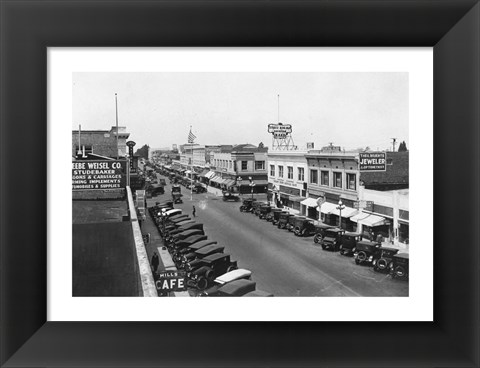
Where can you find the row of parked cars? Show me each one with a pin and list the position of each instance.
(209, 270)
(366, 252)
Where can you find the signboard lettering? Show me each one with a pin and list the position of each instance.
(372, 161)
(171, 281)
(100, 175)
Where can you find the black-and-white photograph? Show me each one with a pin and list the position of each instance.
(266, 184)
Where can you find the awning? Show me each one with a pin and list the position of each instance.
(327, 207)
(217, 179)
(229, 182)
(204, 173)
(368, 219)
(256, 182)
(210, 174)
(346, 212)
(309, 202)
(297, 199)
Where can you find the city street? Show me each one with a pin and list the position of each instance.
(282, 263)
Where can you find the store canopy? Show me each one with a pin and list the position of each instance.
(210, 174)
(346, 212)
(309, 202)
(327, 207)
(204, 173)
(297, 199)
(229, 183)
(216, 179)
(368, 219)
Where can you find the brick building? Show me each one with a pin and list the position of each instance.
(100, 142)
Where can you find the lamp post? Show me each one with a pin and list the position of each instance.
(340, 207)
(252, 184)
(239, 183)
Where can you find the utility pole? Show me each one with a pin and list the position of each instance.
(116, 120)
(394, 140)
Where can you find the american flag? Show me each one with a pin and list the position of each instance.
(191, 136)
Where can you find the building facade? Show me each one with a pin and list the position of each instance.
(100, 142)
(287, 179)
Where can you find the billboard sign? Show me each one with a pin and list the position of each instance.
(280, 131)
(171, 281)
(99, 175)
(372, 161)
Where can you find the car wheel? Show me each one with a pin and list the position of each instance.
(202, 283)
(209, 275)
(400, 271)
(382, 264)
(361, 256)
(297, 231)
(342, 252)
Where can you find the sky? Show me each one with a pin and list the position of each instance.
(350, 110)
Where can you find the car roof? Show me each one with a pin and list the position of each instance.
(203, 243)
(209, 248)
(175, 210)
(233, 286)
(402, 255)
(193, 238)
(214, 257)
(233, 275)
(190, 225)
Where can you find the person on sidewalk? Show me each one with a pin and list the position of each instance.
(194, 211)
(155, 262)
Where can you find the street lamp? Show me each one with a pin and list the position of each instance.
(239, 183)
(252, 184)
(340, 207)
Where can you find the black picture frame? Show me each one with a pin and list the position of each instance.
(452, 28)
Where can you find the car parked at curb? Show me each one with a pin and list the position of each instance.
(303, 226)
(320, 229)
(210, 268)
(270, 216)
(247, 205)
(191, 263)
(383, 258)
(236, 288)
(399, 268)
(332, 239)
(239, 273)
(283, 220)
(349, 242)
(365, 251)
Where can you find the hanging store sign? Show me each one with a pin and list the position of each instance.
(171, 281)
(130, 145)
(367, 205)
(99, 175)
(372, 161)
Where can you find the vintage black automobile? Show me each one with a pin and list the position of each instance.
(270, 215)
(332, 239)
(276, 216)
(349, 242)
(283, 220)
(177, 198)
(303, 226)
(210, 267)
(383, 258)
(399, 266)
(176, 248)
(155, 189)
(291, 222)
(224, 279)
(320, 229)
(184, 235)
(198, 188)
(191, 261)
(247, 205)
(236, 288)
(192, 226)
(365, 251)
(188, 253)
(263, 211)
(256, 205)
(230, 196)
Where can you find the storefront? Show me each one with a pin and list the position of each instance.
(310, 208)
(368, 224)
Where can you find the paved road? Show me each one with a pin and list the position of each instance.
(282, 263)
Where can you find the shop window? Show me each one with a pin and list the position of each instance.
(244, 165)
(313, 176)
(280, 171)
(272, 170)
(301, 174)
(325, 178)
(337, 179)
(352, 181)
(289, 172)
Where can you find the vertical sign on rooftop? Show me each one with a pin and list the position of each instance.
(372, 161)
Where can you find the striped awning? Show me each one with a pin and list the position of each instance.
(346, 212)
(327, 207)
(309, 202)
(297, 199)
(368, 219)
(210, 174)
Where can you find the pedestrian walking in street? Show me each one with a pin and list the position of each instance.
(194, 211)
(155, 262)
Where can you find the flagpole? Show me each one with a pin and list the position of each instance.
(116, 119)
(191, 170)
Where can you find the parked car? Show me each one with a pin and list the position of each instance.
(303, 226)
(182, 253)
(332, 239)
(349, 242)
(270, 215)
(236, 288)
(184, 235)
(230, 196)
(177, 198)
(184, 243)
(155, 189)
(256, 207)
(283, 220)
(192, 226)
(172, 212)
(247, 205)
(263, 211)
(365, 251)
(290, 226)
(383, 258)
(399, 266)
(320, 231)
(211, 267)
(258, 293)
(276, 216)
(198, 188)
(193, 261)
(221, 280)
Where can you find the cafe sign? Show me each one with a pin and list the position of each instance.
(171, 281)
(99, 175)
(372, 161)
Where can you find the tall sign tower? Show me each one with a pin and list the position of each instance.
(281, 134)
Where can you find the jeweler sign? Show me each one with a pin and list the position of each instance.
(171, 281)
(98, 175)
(372, 161)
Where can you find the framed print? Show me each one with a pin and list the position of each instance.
(31, 31)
